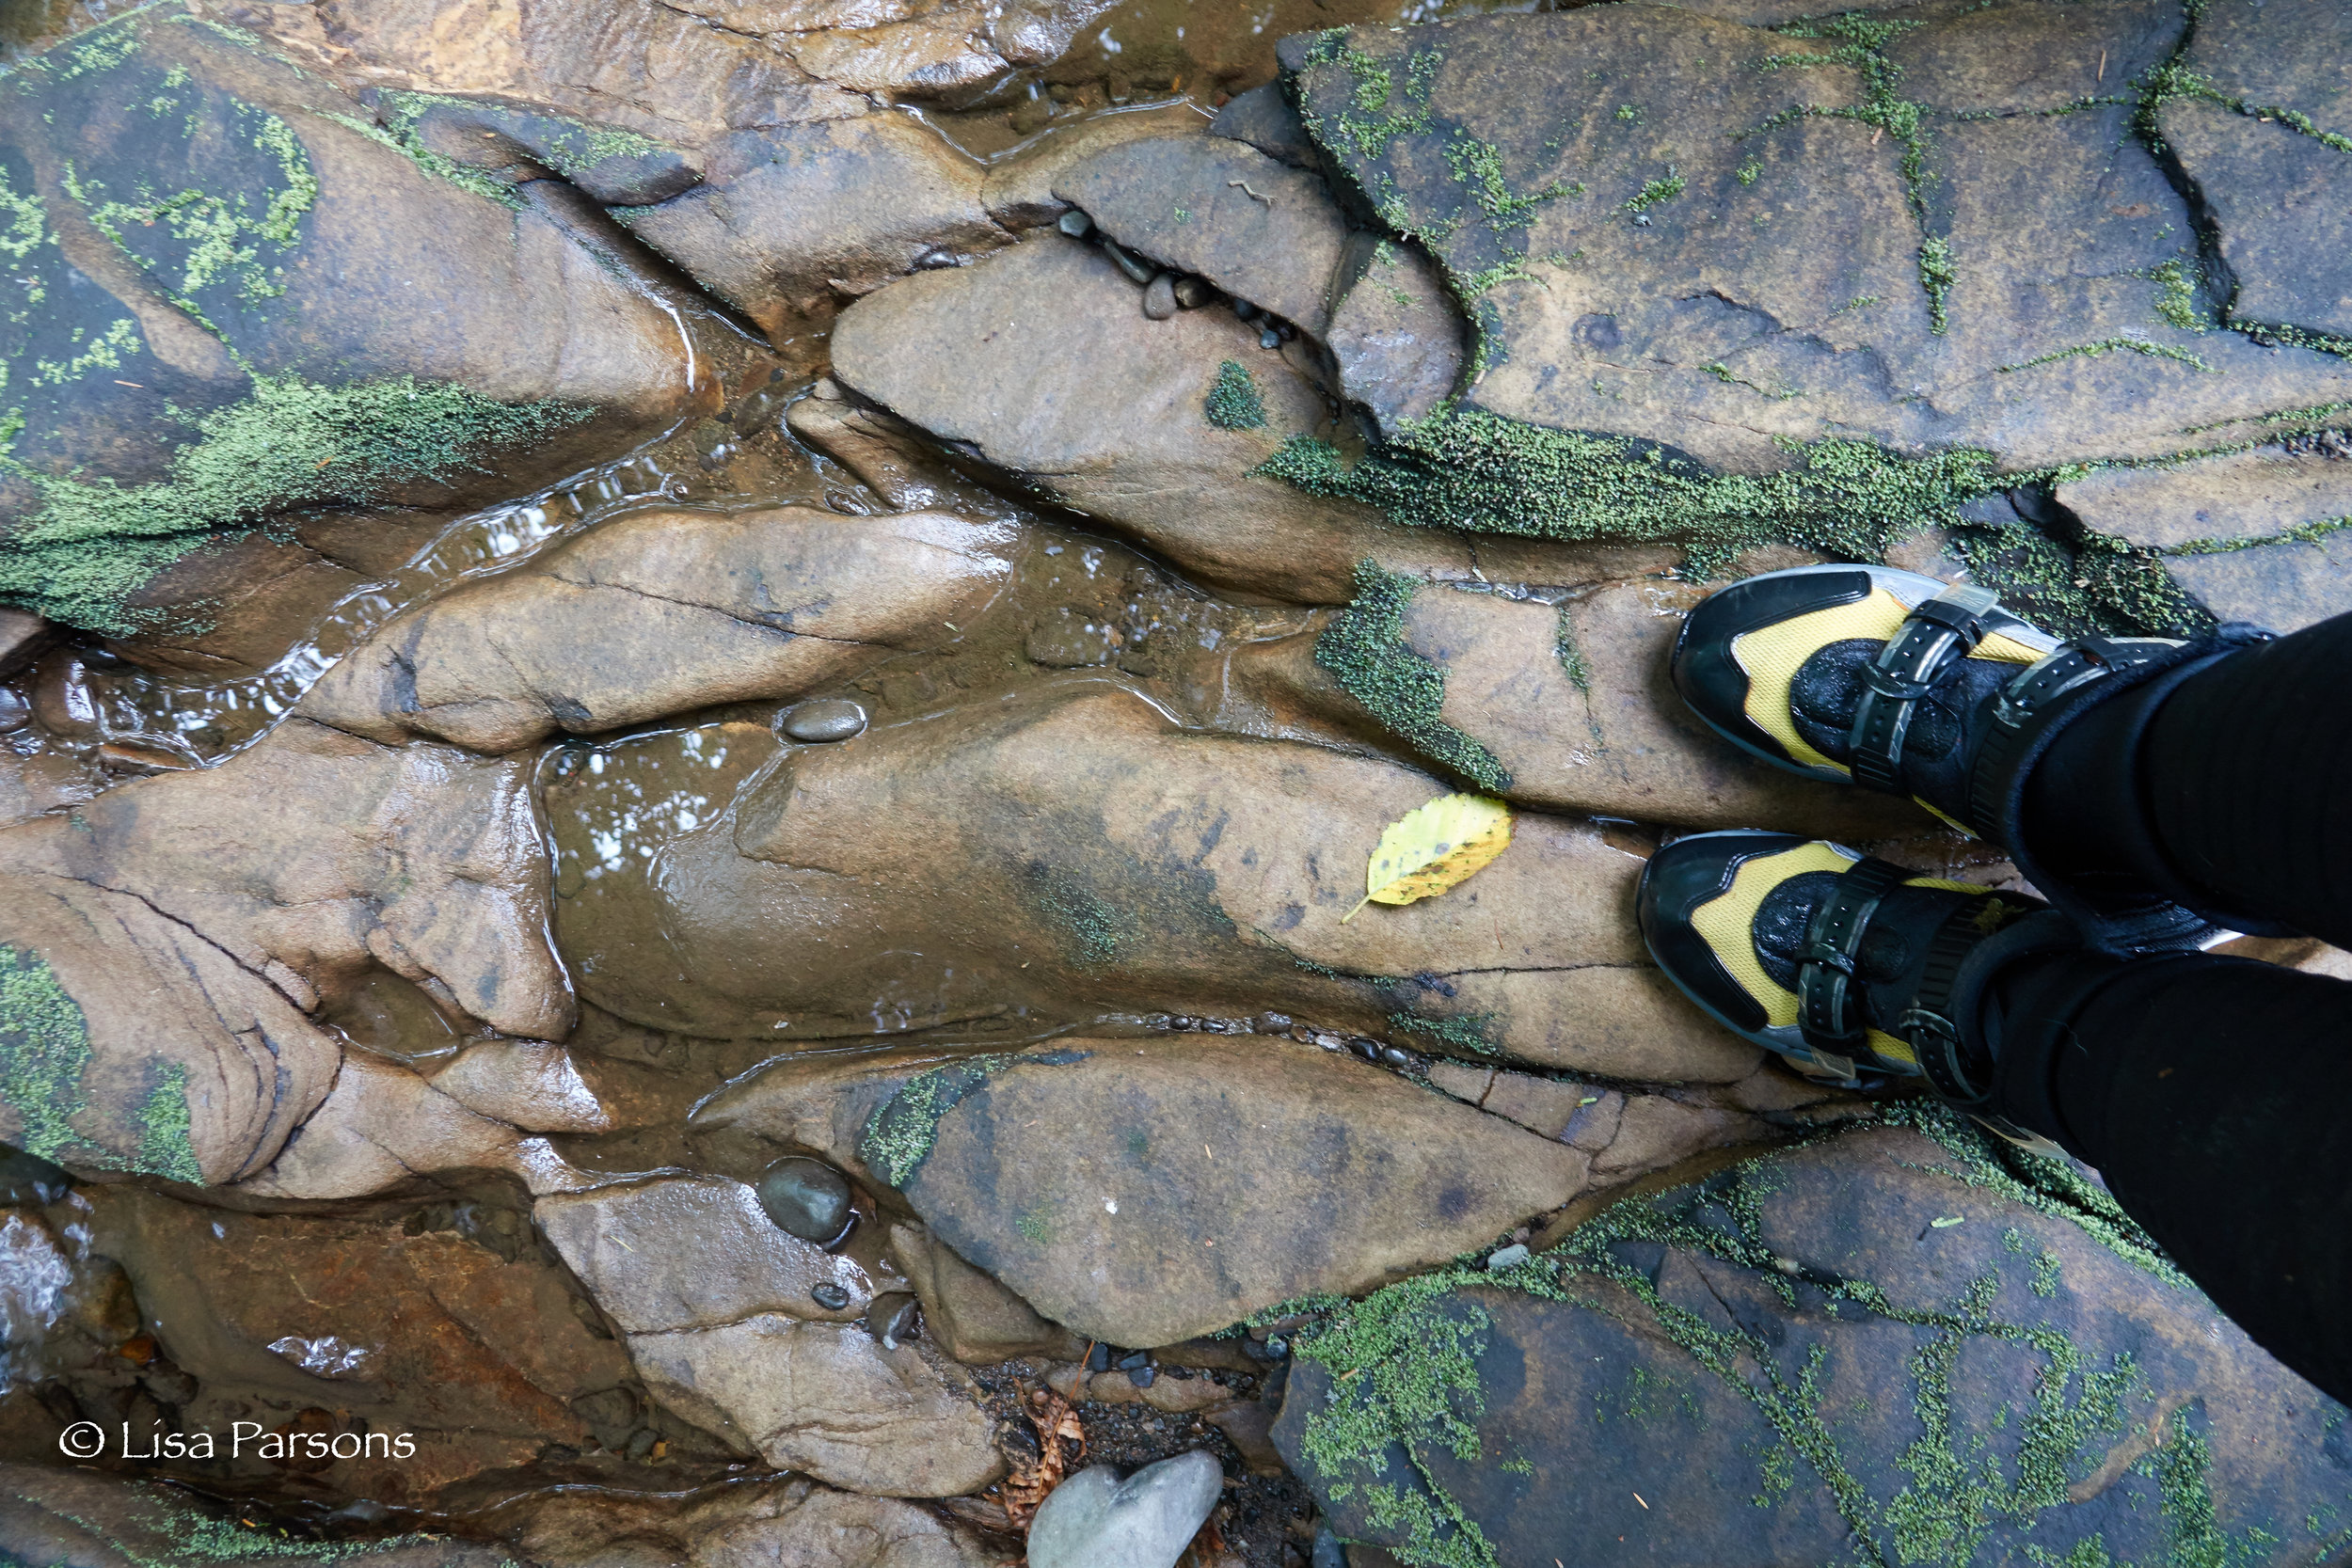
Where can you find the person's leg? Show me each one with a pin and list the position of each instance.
(2210, 1094)
(2227, 790)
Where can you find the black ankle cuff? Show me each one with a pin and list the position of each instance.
(2142, 904)
(2037, 1002)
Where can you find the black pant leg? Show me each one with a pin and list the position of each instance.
(2212, 1095)
(2230, 789)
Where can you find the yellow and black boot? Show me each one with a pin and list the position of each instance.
(1852, 968)
(1898, 683)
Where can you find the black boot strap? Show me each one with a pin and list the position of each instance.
(1946, 628)
(1930, 1023)
(1829, 1011)
(2029, 696)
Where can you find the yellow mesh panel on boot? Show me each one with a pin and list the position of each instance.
(1727, 922)
(1769, 656)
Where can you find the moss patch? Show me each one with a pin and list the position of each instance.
(1364, 649)
(44, 1047)
(1406, 1382)
(898, 1136)
(290, 442)
(1234, 403)
(1467, 1035)
(45, 1051)
(1467, 469)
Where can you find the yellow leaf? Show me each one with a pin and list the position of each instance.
(1432, 848)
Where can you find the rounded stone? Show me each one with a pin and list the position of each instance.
(807, 1198)
(1159, 298)
(832, 1297)
(1095, 1520)
(1193, 293)
(1076, 224)
(826, 718)
(891, 1318)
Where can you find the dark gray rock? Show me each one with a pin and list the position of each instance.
(1689, 231)
(1400, 344)
(828, 719)
(806, 1198)
(1886, 1345)
(1096, 1520)
(1263, 118)
(616, 168)
(1089, 1186)
(229, 266)
(2238, 496)
(1257, 229)
(2274, 54)
(2276, 197)
(2285, 586)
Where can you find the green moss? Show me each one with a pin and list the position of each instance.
(165, 1149)
(1234, 403)
(2301, 533)
(1098, 932)
(1375, 116)
(44, 1047)
(1472, 470)
(290, 442)
(197, 1537)
(1655, 192)
(1571, 659)
(2113, 345)
(1364, 649)
(898, 1136)
(2176, 297)
(2181, 1467)
(1749, 172)
(1861, 46)
(1469, 1033)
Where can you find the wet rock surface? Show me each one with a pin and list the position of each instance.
(1764, 1365)
(766, 991)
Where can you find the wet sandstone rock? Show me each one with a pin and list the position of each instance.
(233, 270)
(1132, 867)
(721, 1316)
(1021, 359)
(1019, 190)
(756, 604)
(1258, 229)
(784, 226)
(1710, 240)
(1916, 1341)
(1136, 1193)
(749, 1524)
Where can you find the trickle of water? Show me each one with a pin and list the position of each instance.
(212, 720)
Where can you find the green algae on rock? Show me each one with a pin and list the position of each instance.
(897, 1136)
(290, 442)
(1234, 403)
(1365, 649)
(2057, 1389)
(45, 1051)
(201, 243)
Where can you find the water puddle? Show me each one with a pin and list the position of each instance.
(212, 720)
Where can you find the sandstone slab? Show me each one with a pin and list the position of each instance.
(662, 611)
(784, 227)
(1040, 361)
(1887, 1336)
(752, 1524)
(1256, 228)
(1019, 189)
(2241, 496)
(692, 1252)
(1136, 1193)
(1400, 344)
(2285, 587)
(2276, 197)
(825, 1398)
(1709, 238)
(1132, 867)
